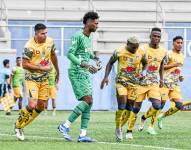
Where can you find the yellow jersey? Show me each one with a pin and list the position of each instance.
(153, 57)
(38, 54)
(171, 76)
(128, 65)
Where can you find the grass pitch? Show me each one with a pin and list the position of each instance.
(42, 134)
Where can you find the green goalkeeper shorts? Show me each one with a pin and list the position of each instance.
(81, 83)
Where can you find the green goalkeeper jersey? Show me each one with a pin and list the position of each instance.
(17, 78)
(80, 51)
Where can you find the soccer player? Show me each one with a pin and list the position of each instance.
(172, 76)
(17, 81)
(38, 54)
(79, 74)
(5, 85)
(130, 59)
(149, 86)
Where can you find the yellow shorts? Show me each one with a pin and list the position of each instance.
(171, 94)
(52, 92)
(129, 91)
(18, 92)
(37, 90)
(144, 92)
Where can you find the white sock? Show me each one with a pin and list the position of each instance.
(83, 132)
(67, 124)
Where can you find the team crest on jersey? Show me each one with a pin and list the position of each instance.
(155, 59)
(149, 57)
(124, 58)
(137, 57)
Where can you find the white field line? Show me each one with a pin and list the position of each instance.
(108, 143)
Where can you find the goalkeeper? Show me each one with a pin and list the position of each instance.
(79, 74)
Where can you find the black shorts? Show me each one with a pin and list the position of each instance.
(2, 90)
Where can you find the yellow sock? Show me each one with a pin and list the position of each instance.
(171, 111)
(54, 109)
(125, 117)
(32, 116)
(154, 118)
(150, 112)
(23, 117)
(118, 118)
(132, 120)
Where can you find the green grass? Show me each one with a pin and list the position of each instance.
(42, 134)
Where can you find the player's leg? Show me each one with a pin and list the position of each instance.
(120, 112)
(164, 97)
(129, 104)
(133, 118)
(154, 97)
(153, 111)
(175, 96)
(129, 108)
(85, 117)
(81, 87)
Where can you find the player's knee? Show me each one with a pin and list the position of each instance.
(179, 105)
(41, 105)
(156, 105)
(32, 105)
(129, 107)
(88, 100)
(121, 106)
(136, 109)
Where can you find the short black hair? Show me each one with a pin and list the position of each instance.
(5, 62)
(39, 26)
(177, 37)
(90, 15)
(18, 58)
(156, 29)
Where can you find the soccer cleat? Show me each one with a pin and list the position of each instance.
(151, 131)
(119, 134)
(86, 139)
(129, 136)
(65, 132)
(159, 119)
(19, 134)
(141, 126)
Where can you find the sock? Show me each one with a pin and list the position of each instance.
(32, 116)
(23, 116)
(20, 103)
(171, 111)
(132, 120)
(150, 112)
(126, 115)
(83, 132)
(85, 118)
(81, 107)
(118, 118)
(154, 118)
(67, 124)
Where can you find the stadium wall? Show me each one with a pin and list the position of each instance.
(103, 99)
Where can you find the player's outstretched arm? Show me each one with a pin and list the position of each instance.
(109, 66)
